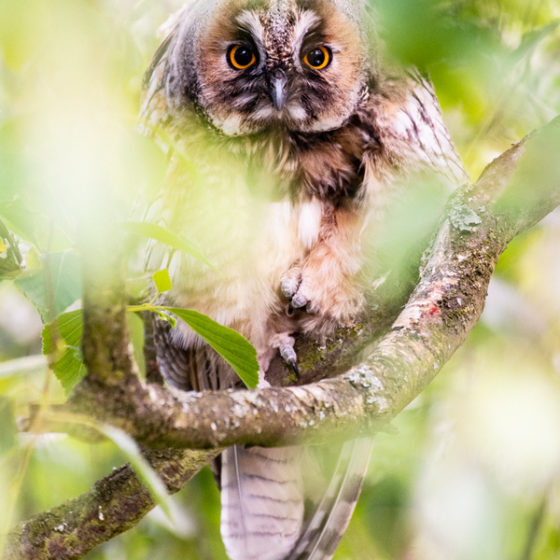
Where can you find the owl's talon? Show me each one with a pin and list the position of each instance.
(289, 355)
(288, 287)
(295, 368)
(299, 300)
(290, 283)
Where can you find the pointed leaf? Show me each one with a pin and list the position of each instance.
(162, 280)
(58, 282)
(234, 348)
(148, 476)
(159, 233)
(69, 367)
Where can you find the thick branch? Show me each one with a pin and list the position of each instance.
(512, 195)
(114, 505)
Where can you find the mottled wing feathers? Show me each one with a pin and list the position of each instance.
(437, 146)
(154, 111)
(411, 127)
(189, 369)
(160, 76)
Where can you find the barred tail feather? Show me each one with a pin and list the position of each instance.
(330, 520)
(262, 502)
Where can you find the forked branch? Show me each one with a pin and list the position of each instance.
(515, 191)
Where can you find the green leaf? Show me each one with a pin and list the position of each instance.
(69, 367)
(69, 326)
(10, 257)
(136, 330)
(162, 280)
(57, 284)
(234, 348)
(159, 233)
(8, 433)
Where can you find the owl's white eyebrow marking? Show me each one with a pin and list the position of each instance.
(252, 23)
(306, 20)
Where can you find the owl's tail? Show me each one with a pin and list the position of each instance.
(262, 502)
(331, 517)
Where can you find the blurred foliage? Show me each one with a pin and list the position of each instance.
(473, 472)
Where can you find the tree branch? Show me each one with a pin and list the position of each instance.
(512, 194)
(515, 191)
(114, 505)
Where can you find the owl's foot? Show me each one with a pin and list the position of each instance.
(289, 355)
(319, 288)
(289, 287)
(285, 345)
(302, 290)
(298, 290)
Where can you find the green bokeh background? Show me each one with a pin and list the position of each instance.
(473, 471)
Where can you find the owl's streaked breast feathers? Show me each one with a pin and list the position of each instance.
(295, 95)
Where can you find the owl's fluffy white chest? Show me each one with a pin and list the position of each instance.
(251, 245)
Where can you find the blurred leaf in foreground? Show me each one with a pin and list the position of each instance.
(57, 285)
(10, 256)
(68, 365)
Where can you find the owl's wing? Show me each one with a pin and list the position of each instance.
(407, 116)
(431, 133)
(154, 111)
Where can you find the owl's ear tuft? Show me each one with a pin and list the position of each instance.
(169, 82)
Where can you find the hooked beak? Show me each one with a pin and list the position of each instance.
(278, 92)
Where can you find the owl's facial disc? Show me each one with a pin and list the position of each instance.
(280, 66)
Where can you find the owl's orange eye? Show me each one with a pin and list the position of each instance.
(241, 57)
(318, 58)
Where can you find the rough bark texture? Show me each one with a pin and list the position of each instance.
(514, 192)
(114, 505)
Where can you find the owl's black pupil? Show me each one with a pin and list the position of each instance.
(316, 57)
(243, 56)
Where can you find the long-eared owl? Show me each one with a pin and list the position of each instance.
(287, 134)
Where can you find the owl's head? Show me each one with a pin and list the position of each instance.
(254, 65)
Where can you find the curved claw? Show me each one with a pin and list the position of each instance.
(289, 355)
(295, 369)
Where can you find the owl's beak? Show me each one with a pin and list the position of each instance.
(278, 92)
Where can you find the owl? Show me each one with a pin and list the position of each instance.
(288, 135)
